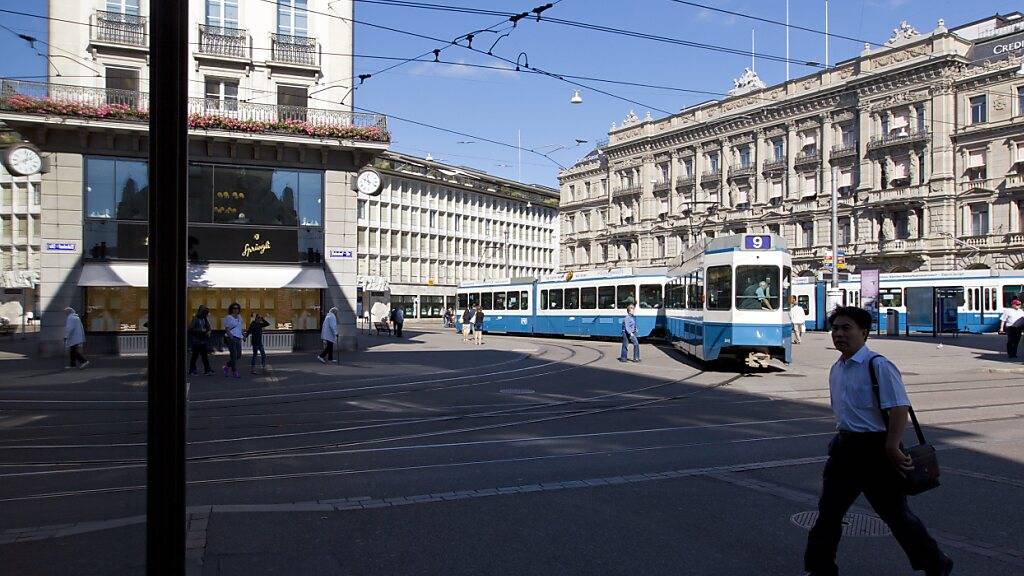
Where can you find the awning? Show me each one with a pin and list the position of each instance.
(135, 274)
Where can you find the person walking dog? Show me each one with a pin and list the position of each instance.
(74, 339)
(629, 335)
(233, 339)
(329, 335)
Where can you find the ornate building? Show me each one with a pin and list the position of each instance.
(922, 140)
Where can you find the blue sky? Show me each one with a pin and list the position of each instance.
(498, 104)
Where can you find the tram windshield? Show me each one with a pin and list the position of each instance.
(757, 288)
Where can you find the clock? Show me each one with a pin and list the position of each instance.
(23, 160)
(369, 182)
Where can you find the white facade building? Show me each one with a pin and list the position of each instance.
(20, 203)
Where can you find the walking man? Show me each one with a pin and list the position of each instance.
(478, 325)
(1012, 322)
(329, 335)
(467, 323)
(74, 339)
(255, 335)
(865, 456)
(798, 318)
(629, 335)
(399, 317)
(199, 340)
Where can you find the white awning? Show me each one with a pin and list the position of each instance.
(135, 274)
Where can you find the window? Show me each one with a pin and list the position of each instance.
(844, 181)
(806, 234)
(1012, 292)
(719, 288)
(361, 210)
(844, 232)
(222, 13)
(660, 247)
(588, 298)
(976, 164)
(979, 219)
(885, 124)
(292, 17)
(694, 292)
(650, 296)
(221, 94)
(625, 295)
(778, 150)
(810, 184)
(292, 102)
(543, 299)
(122, 86)
(555, 300)
(675, 297)
(1020, 100)
(116, 189)
(745, 157)
(979, 109)
(890, 297)
(524, 300)
(920, 117)
(474, 298)
(757, 287)
(606, 297)
(787, 287)
(775, 191)
(499, 301)
(123, 6)
(463, 301)
(846, 135)
(572, 298)
(713, 162)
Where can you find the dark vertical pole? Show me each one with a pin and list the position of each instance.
(168, 155)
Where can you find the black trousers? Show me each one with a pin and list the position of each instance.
(75, 356)
(200, 351)
(328, 353)
(1012, 340)
(398, 329)
(857, 464)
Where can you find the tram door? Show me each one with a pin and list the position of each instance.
(920, 308)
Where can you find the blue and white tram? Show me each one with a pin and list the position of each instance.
(507, 304)
(593, 302)
(732, 301)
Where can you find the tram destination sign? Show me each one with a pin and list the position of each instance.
(757, 242)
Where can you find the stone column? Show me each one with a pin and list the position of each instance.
(760, 190)
(943, 110)
(827, 137)
(340, 233)
(724, 188)
(866, 177)
(673, 158)
(792, 188)
(698, 169)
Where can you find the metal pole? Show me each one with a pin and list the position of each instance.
(787, 40)
(826, 34)
(168, 157)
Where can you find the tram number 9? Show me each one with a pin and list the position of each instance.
(759, 242)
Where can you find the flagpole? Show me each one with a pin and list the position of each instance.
(826, 33)
(787, 40)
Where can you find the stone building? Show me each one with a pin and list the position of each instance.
(922, 140)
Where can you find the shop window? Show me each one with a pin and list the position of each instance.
(116, 189)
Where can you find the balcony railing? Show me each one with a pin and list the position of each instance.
(296, 50)
(662, 185)
(626, 190)
(897, 139)
(684, 180)
(774, 165)
(807, 157)
(739, 171)
(843, 150)
(224, 41)
(711, 176)
(204, 113)
(1015, 181)
(119, 28)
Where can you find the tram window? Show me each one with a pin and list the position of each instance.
(1011, 292)
(805, 303)
(474, 298)
(555, 300)
(606, 297)
(787, 287)
(463, 301)
(675, 297)
(891, 297)
(524, 300)
(512, 301)
(499, 300)
(650, 296)
(625, 295)
(757, 287)
(486, 301)
(588, 298)
(572, 298)
(719, 288)
(694, 297)
(543, 299)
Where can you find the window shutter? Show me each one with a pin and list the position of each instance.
(977, 159)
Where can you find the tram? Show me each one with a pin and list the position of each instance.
(507, 304)
(730, 299)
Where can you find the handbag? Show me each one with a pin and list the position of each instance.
(925, 475)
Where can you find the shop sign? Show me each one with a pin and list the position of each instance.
(218, 243)
(998, 49)
(336, 254)
(61, 247)
(257, 246)
(827, 261)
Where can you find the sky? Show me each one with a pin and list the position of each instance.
(509, 107)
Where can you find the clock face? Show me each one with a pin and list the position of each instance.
(368, 182)
(24, 161)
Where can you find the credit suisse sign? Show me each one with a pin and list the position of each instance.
(998, 48)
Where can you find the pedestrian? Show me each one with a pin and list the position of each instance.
(74, 339)
(478, 325)
(399, 315)
(199, 340)
(329, 335)
(447, 317)
(233, 339)
(467, 323)
(1012, 323)
(865, 456)
(255, 335)
(629, 335)
(798, 317)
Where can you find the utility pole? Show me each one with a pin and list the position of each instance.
(826, 34)
(787, 40)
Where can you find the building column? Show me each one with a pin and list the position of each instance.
(866, 175)
(673, 158)
(724, 161)
(698, 170)
(61, 220)
(792, 190)
(827, 137)
(340, 232)
(759, 191)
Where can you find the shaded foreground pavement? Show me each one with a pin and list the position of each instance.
(524, 456)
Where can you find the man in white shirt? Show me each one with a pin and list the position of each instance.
(1012, 322)
(798, 317)
(865, 456)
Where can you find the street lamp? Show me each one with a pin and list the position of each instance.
(576, 98)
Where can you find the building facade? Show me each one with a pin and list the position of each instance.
(20, 203)
(271, 198)
(434, 226)
(922, 141)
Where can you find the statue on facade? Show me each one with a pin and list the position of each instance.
(913, 224)
(902, 33)
(747, 82)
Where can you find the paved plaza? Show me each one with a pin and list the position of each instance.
(426, 455)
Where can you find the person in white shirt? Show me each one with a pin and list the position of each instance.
(1012, 323)
(798, 317)
(865, 456)
(329, 335)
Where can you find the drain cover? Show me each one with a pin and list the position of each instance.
(516, 391)
(853, 524)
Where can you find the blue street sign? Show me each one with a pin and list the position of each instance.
(757, 242)
(61, 246)
(342, 254)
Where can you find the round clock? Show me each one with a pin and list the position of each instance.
(369, 182)
(23, 160)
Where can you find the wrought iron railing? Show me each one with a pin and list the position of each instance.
(119, 28)
(710, 175)
(625, 190)
(684, 180)
(737, 171)
(841, 150)
(224, 41)
(897, 139)
(204, 113)
(807, 157)
(662, 185)
(290, 49)
(774, 165)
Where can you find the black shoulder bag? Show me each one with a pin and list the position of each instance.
(925, 474)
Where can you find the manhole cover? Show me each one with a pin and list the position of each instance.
(516, 391)
(853, 524)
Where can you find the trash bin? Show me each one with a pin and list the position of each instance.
(892, 322)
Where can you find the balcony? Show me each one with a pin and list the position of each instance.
(118, 29)
(899, 246)
(742, 171)
(1015, 180)
(900, 195)
(223, 42)
(662, 185)
(805, 157)
(843, 150)
(626, 191)
(684, 181)
(710, 176)
(128, 106)
(898, 139)
(294, 51)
